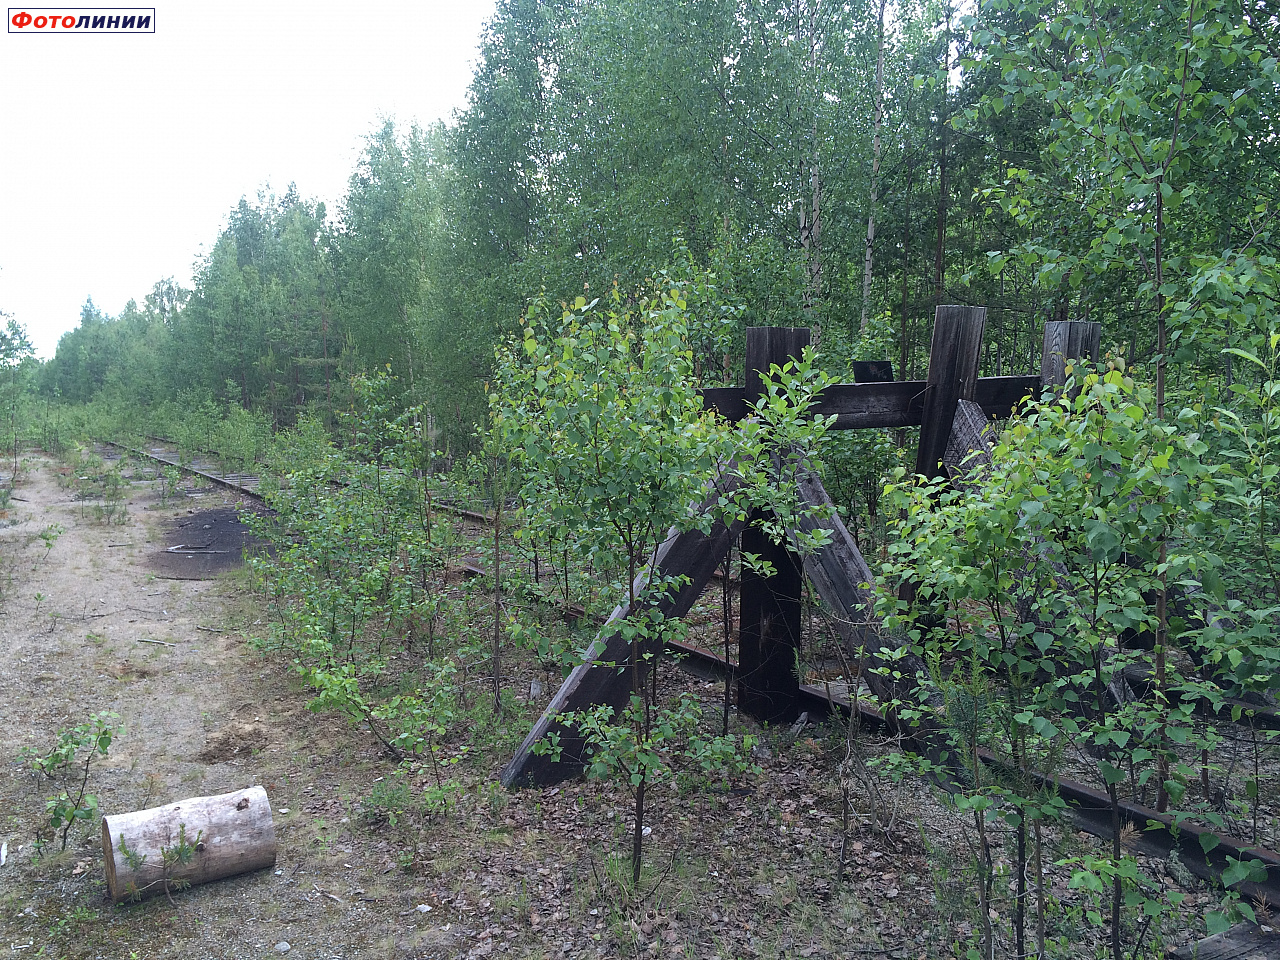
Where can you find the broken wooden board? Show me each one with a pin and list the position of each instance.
(602, 678)
(841, 577)
(1244, 941)
(970, 446)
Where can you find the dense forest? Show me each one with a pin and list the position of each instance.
(514, 312)
(843, 166)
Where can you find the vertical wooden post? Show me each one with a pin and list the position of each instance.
(1067, 340)
(953, 376)
(769, 631)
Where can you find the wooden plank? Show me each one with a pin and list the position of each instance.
(771, 611)
(872, 371)
(729, 402)
(770, 345)
(953, 375)
(999, 396)
(841, 577)
(598, 680)
(1244, 941)
(858, 406)
(1066, 340)
(769, 631)
(970, 445)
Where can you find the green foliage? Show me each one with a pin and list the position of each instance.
(69, 761)
(103, 486)
(357, 581)
(1248, 485)
(180, 852)
(1156, 172)
(389, 801)
(600, 407)
(674, 745)
(603, 411)
(1043, 572)
(17, 367)
(49, 536)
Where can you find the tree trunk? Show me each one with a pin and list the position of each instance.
(940, 248)
(877, 123)
(811, 220)
(217, 837)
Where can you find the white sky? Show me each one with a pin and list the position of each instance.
(121, 156)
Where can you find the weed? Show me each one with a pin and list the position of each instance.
(49, 536)
(179, 854)
(173, 856)
(70, 759)
(388, 802)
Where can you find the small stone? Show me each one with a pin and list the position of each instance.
(282, 946)
(282, 810)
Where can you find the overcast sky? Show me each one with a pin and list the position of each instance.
(120, 156)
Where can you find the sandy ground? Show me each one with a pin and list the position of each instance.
(201, 714)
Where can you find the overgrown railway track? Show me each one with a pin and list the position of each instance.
(1204, 852)
(244, 483)
(205, 465)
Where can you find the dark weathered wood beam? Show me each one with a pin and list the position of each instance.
(771, 611)
(953, 376)
(1067, 340)
(841, 578)
(900, 403)
(692, 556)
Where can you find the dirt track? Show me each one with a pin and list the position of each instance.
(202, 714)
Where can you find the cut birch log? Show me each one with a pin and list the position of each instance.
(217, 837)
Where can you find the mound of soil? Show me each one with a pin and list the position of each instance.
(127, 670)
(202, 545)
(237, 738)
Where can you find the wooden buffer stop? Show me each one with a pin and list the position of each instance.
(951, 407)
